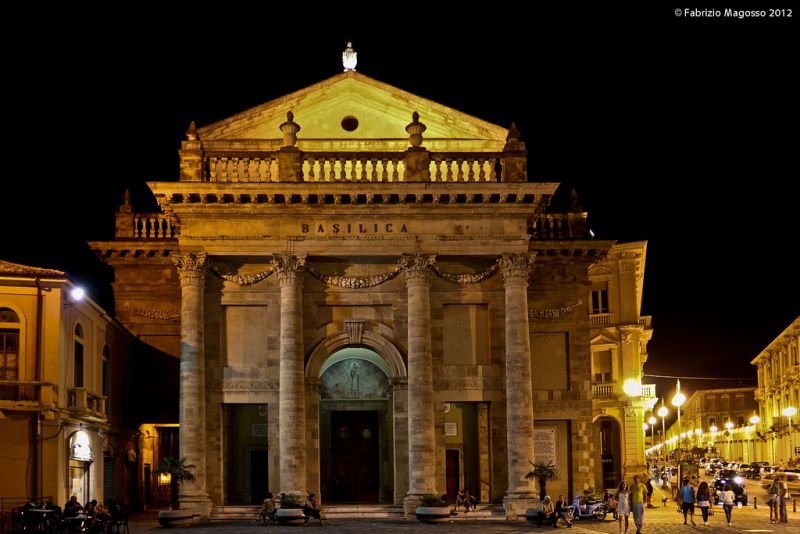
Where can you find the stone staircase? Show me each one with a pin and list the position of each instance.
(483, 512)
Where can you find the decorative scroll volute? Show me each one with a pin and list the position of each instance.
(416, 268)
(516, 267)
(289, 268)
(191, 267)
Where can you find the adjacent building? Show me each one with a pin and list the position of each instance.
(717, 421)
(778, 396)
(619, 337)
(371, 302)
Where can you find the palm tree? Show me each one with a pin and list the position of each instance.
(542, 472)
(178, 470)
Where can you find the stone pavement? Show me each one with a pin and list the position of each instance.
(662, 520)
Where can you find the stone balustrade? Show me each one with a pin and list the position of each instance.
(154, 226)
(353, 167)
(83, 402)
(27, 395)
(600, 319)
(558, 226)
(603, 390)
(648, 390)
(646, 321)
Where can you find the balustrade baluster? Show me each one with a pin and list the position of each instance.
(396, 171)
(482, 170)
(492, 173)
(212, 169)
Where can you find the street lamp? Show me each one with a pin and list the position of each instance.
(789, 412)
(678, 401)
(652, 420)
(662, 413)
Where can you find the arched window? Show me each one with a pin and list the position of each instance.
(78, 357)
(9, 344)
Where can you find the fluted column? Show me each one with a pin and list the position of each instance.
(192, 409)
(291, 403)
(519, 401)
(421, 439)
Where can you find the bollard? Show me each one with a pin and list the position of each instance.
(755, 503)
(794, 505)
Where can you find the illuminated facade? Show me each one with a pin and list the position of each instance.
(619, 337)
(722, 416)
(63, 402)
(370, 303)
(778, 394)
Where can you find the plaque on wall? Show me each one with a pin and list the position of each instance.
(544, 445)
(258, 430)
(451, 429)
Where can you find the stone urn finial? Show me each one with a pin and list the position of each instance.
(191, 132)
(289, 129)
(125, 207)
(349, 58)
(513, 142)
(415, 129)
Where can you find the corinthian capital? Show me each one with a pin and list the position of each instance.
(289, 268)
(515, 267)
(416, 267)
(191, 267)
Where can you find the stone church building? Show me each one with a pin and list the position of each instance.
(369, 301)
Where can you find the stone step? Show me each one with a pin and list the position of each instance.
(374, 511)
(483, 512)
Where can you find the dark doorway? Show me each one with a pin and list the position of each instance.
(355, 456)
(610, 451)
(453, 475)
(259, 476)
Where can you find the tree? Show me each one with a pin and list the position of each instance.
(542, 472)
(178, 470)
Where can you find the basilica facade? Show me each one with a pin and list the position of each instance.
(370, 302)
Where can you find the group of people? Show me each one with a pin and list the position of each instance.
(778, 497)
(310, 509)
(552, 513)
(466, 499)
(632, 499)
(689, 495)
(97, 516)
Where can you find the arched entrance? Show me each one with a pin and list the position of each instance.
(607, 442)
(355, 425)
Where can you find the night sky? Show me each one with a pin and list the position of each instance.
(680, 132)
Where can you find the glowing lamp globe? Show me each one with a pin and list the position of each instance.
(632, 387)
(663, 411)
(652, 420)
(713, 429)
(789, 411)
(77, 294)
(755, 420)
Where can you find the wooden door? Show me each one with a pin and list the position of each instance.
(354, 456)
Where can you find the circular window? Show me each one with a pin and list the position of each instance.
(349, 123)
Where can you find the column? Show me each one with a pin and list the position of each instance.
(192, 409)
(519, 395)
(421, 439)
(400, 448)
(291, 403)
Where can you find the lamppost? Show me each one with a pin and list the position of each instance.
(662, 413)
(754, 421)
(652, 420)
(789, 412)
(678, 401)
(729, 428)
(713, 429)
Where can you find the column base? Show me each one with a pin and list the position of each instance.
(410, 504)
(198, 504)
(515, 504)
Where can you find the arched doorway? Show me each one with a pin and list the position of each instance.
(355, 424)
(607, 443)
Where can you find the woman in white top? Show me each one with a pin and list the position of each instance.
(623, 505)
(726, 497)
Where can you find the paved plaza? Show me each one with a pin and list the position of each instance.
(662, 520)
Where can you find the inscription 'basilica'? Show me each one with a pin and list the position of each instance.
(421, 360)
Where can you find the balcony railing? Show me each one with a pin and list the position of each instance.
(81, 401)
(600, 319)
(27, 396)
(603, 390)
(648, 390)
(646, 321)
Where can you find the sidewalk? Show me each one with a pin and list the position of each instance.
(661, 520)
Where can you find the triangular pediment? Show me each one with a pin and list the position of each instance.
(602, 340)
(382, 112)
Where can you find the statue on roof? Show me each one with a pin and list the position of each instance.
(349, 57)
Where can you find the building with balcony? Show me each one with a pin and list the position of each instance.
(716, 422)
(74, 386)
(619, 337)
(778, 396)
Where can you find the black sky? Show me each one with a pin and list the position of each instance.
(681, 132)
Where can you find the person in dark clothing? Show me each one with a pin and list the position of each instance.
(73, 507)
(310, 509)
(561, 512)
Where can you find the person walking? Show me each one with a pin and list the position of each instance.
(623, 505)
(726, 497)
(783, 498)
(773, 501)
(638, 495)
(687, 500)
(704, 500)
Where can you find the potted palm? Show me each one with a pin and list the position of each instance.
(433, 509)
(541, 472)
(291, 510)
(176, 470)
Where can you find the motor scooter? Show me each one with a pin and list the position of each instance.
(591, 510)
